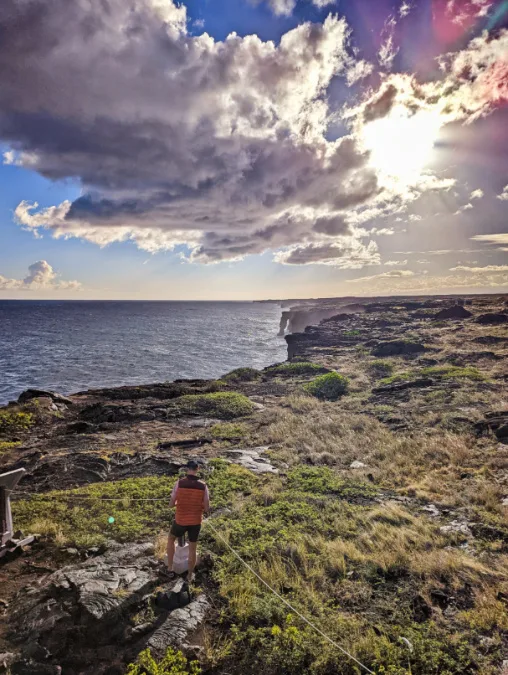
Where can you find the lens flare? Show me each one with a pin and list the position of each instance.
(401, 143)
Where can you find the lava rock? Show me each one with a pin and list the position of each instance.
(30, 394)
(487, 319)
(454, 312)
(398, 348)
(401, 386)
(80, 427)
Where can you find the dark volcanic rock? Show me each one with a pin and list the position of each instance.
(496, 422)
(79, 427)
(490, 340)
(397, 348)
(30, 394)
(455, 312)
(80, 616)
(487, 319)
(401, 386)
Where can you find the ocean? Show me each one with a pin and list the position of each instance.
(70, 346)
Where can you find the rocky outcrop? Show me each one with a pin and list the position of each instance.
(30, 394)
(492, 319)
(495, 422)
(84, 617)
(252, 459)
(454, 312)
(398, 348)
(401, 386)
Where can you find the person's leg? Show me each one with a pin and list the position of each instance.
(193, 532)
(171, 551)
(193, 547)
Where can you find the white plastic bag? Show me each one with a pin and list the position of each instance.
(181, 559)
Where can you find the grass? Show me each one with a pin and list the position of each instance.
(65, 519)
(445, 372)
(222, 405)
(12, 423)
(294, 368)
(242, 375)
(226, 431)
(329, 387)
(380, 368)
(355, 568)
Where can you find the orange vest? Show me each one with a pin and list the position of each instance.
(190, 501)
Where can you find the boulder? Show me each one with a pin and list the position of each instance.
(490, 339)
(252, 459)
(496, 422)
(357, 465)
(454, 312)
(80, 427)
(397, 348)
(30, 394)
(494, 318)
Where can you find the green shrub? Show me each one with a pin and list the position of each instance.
(8, 445)
(380, 368)
(173, 663)
(296, 368)
(14, 422)
(242, 375)
(449, 372)
(351, 333)
(224, 405)
(328, 387)
(443, 372)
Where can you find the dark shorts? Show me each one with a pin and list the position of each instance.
(192, 531)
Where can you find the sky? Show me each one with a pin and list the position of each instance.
(253, 149)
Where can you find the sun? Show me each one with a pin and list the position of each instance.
(401, 143)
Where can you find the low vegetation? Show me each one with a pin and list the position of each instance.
(380, 368)
(329, 387)
(82, 517)
(223, 405)
(173, 663)
(294, 368)
(12, 423)
(242, 375)
(444, 372)
(227, 431)
(5, 446)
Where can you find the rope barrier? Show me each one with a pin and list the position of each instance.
(246, 564)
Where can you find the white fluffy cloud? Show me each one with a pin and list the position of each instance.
(504, 194)
(477, 194)
(218, 146)
(41, 276)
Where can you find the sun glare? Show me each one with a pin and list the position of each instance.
(401, 144)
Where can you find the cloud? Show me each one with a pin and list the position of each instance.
(498, 240)
(221, 147)
(481, 270)
(347, 253)
(391, 263)
(392, 274)
(504, 194)
(462, 209)
(286, 7)
(41, 276)
(477, 194)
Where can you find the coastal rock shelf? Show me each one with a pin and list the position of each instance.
(87, 614)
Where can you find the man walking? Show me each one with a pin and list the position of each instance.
(191, 498)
